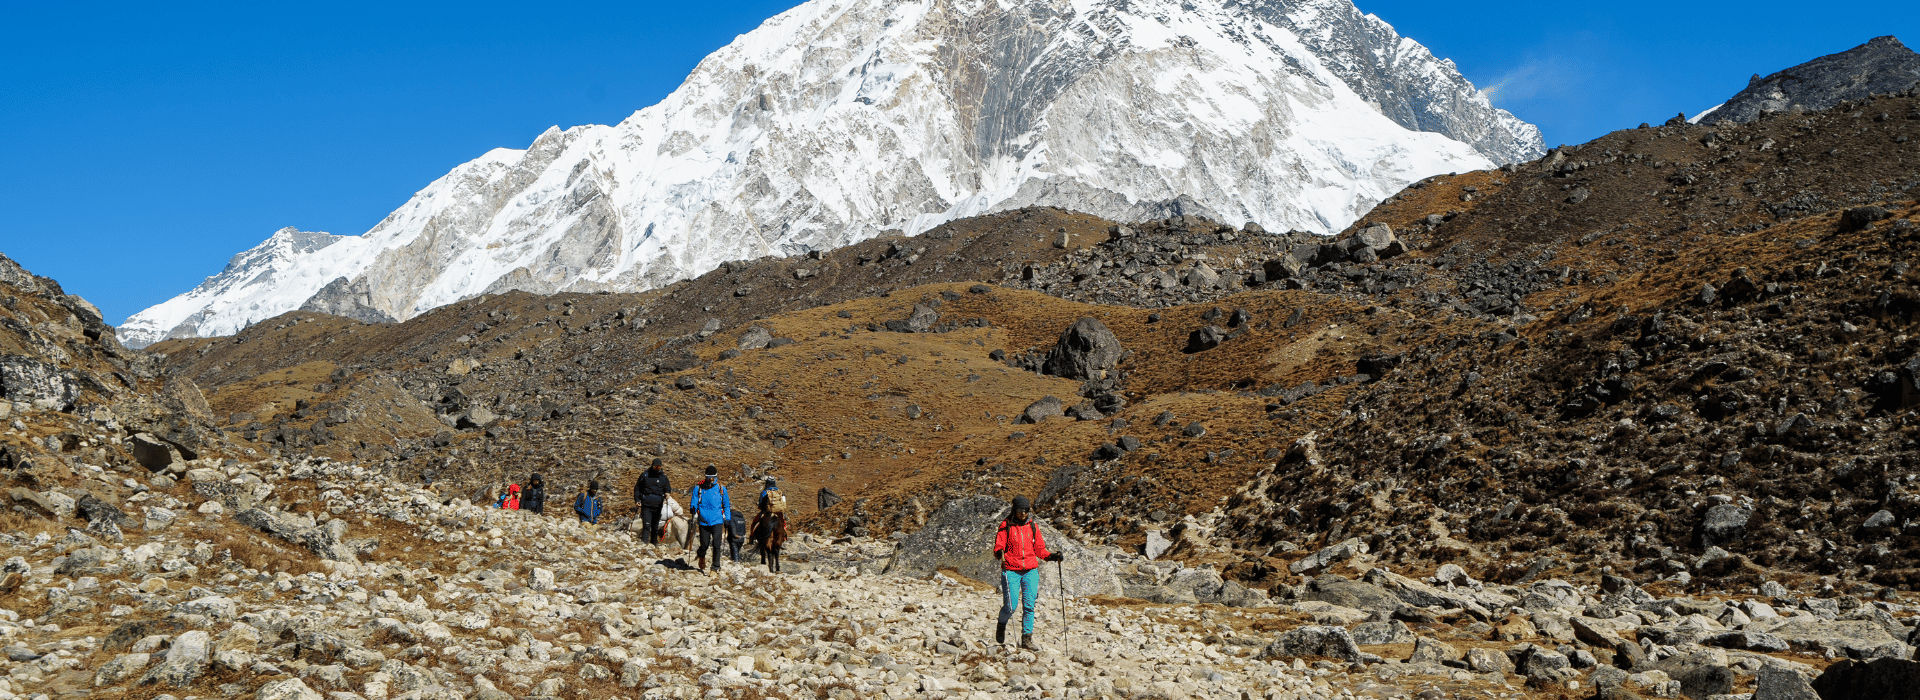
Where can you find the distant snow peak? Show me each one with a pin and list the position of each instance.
(835, 121)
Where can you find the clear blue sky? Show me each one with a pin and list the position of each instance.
(147, 143)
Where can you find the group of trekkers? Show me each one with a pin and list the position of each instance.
(714, 518)
(1017, 544)
(533, 497)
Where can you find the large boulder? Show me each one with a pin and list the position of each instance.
(755, 338)
(1421, 595)
(187, 657)
(1881, 679)
(1315, 640)
(960, 537)
(1700, 674)
(95, 510)
(1854, 639)
(1333, 554)
(325, 539)
(151, 452)
(1725, 523)
(1046, 407)
(27, 380)
(1340, 591)
(1085, 351)
(1780, 683)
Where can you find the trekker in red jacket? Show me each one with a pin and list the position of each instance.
(1020, 548)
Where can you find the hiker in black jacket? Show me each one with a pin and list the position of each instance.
(650, 491)
(535, 497)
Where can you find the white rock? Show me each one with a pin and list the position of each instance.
(290, 689)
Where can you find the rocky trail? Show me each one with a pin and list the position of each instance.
(375, 590)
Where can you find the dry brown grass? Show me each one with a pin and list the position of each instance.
(261, 553)
(15, 521)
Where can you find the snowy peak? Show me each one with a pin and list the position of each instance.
(836, 121)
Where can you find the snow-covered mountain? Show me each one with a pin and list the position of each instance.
(840, 119)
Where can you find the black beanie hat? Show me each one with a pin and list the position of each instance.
(712, 471)
(656, 462)
(1022, 505)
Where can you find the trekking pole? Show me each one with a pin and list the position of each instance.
(1063, 604)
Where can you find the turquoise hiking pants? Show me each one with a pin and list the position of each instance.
(1027, 584)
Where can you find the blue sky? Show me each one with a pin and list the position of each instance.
(147, 143)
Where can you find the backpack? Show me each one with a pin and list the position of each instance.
(708, 499)
(590, 509)
(774, 501)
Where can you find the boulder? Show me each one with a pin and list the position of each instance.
(1157, 544)
(1700, 674)
(1488, 661)
(1431, 651)
(289, 689)
(27, 380)
(213, 607)
(1881, 679)
(1748, 640)
(826, 498)
(960, 537)
(476, 418)
(1389, 632)
(326, 539)
(923, 319)
(1046, 407)
(1202, 276)
(1340, 591)
(1085, 350)
(1540, 663)
(755, 338)
(1725, 523)
(158, 518)
(151, 452)
(1777, 683)
(187, 657)
(52, 502)
(95, 510)
(1204, 339)
(119, 669)
(1329, 556)
(1315, 640)
(1855, 639)
(1421, 595)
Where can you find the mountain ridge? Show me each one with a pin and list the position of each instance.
(833, 123)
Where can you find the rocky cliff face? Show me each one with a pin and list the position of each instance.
(1883, 65)
(832, 123)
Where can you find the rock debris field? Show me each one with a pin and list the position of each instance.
(401, 595)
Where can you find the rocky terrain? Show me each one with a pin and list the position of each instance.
(1630, 420)
(312, 579)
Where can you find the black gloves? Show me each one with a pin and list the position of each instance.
(1056, 556)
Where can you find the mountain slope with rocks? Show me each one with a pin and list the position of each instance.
(837, 122)
(1449, 380)
(1882, 65)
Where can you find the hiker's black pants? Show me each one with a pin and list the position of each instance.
(650, 519)
(711, 537)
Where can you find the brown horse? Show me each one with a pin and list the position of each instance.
(769, 534)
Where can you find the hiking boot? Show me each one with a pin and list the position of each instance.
(1026, 642)
(1000, 634)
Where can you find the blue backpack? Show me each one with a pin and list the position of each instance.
(710, 505)
(589, 509)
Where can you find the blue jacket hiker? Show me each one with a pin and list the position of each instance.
(587, 505)
(711, 512)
